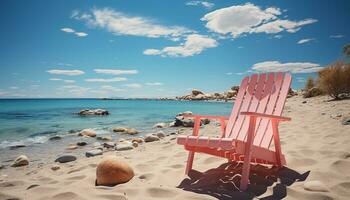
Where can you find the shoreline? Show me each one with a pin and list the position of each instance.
(315, 140)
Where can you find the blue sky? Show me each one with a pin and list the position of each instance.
(162, 48)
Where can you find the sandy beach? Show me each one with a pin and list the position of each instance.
(315, 143)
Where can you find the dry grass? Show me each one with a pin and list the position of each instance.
(334, 80)
(310, 83)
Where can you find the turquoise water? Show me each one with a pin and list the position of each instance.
(35, 120)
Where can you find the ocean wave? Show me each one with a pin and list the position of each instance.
(25, 142)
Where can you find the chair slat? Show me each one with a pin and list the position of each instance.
(279, 108)
(245, 105)
(236, 107)
(257, 96)
(270, 108)
(262, 106)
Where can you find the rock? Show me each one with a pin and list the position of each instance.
(159, 125)
(72, 147)
(104, 138)
(81, 143)
(235, 88)
(65, 159)
(21, 160)
(32, 186)
(87, 132)
(56, 137)
(151, 138)
(196, 92)
(93, 152)
(315, 186)
(185, 113)
(17, 145)
(97, 145)
(138, 140)
(109, 144)
(119, 129)
(304, 102)
(126, 145)
(231, 93)
(55, 167)
(111, 172)
(93, 112)
(172, 124)
(160, 134)
(188, 122)
(200, 97)
(313, 92)
(135, 144)
(132, 131)
(345, 120)
(291, 93)
(205, 121)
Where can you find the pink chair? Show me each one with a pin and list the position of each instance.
(248, 133)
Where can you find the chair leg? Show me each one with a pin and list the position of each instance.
(248, 154)
(189, 162)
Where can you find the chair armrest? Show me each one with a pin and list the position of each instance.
(207, 116)
(261, 115)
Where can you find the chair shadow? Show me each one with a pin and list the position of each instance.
(223, 182)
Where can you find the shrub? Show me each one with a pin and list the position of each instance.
(334, 80)
(310, 83)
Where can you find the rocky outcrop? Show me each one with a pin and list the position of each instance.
(111, 172)
(313, 92)
(180, 120)
(197, 95)
(93, 112)
(20, 161)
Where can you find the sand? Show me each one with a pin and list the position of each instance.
(315, 143)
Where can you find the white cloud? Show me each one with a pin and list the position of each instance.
(116, 79)
(115, 71)
(248, 18)
(205, 4)
(133, 85)
(65, 64)
(278, 36)
(336, 36)
(154, 84)
(111, 88)
(75, 89)
(80, 34)
(14, 87)
(66, 72)
(306, 40)
(301, 80)
(55, 79)
(193, 45)
(229, 73)
(296, 67)
(68, 30)
(121, 24)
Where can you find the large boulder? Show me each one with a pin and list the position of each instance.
(87, 132)
(21, 160)
(200, 97)
(235, 88)
(93, 112)
(111, 172)
(196, 92)
(231, 93)
(185, 113)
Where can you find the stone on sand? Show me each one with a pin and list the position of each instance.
(104, 138)
(55, 167)
(72, 147)
(87, 132)
(132, 131)
(112, 171)
(109, 145)
(138, 140)
(151, 138)
(119, 129)
(160, 125)
(81, 143)
(123, 146)
(21, 160)
(66, 158)
(93, 152)
(315, 186)
(160, 134)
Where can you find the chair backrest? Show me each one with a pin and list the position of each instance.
(262, 93)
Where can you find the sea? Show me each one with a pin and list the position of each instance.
(31, 122)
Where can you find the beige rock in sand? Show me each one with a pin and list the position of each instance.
(21, 160)
(112, 171)
(87, 132)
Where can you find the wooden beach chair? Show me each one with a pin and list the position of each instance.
(248, 133)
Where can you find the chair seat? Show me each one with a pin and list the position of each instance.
(205, 141)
